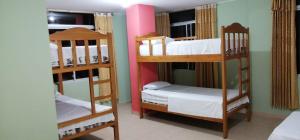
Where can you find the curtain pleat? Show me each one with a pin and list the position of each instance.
(103, 24)
(206, 25)
(162, 23)
(284, 70)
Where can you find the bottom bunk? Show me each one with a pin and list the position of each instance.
(69, 109)
(195, 102)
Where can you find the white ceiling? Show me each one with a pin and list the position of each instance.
(118, 5)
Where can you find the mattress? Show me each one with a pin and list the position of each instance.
(68, 108)
(80, 52)
(197, 101)
(289, 129)
(187, 47)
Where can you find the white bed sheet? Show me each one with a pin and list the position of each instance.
(195, 101)
(289, 129)
(80, 52)
(69, 108)
(187, 47)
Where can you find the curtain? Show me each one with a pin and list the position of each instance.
(163, 27)
(207, 74)
(162, 22)
(284, 70)
(103, 24)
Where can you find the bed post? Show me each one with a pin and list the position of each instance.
(249, 109)
(113, 88)
(137, 44)
(224, 86)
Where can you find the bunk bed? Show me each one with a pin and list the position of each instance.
(215, 105)
(77, 117)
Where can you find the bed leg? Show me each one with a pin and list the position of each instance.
(116, 132)
(141, 113)
(249, 113)
(225, 128)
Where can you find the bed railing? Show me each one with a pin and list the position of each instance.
(85, 35)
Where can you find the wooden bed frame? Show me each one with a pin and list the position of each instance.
(82, 34)
(234, 31)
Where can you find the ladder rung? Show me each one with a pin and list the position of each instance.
(245, 81)
(245, 68)
(102, 97)
(101, 81)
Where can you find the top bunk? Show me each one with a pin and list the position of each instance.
(233, 44)
(92, 50)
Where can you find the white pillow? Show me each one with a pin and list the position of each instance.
(156, 85)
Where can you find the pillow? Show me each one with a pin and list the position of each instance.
(156, 85)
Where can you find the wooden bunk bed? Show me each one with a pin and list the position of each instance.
(93, 115)
(229, 50)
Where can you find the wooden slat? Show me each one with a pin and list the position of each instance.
(88, 117)
(245, 68)
(101, 81)
(74, 53)
(98, 43)
(164, 108)
(236, 98)
(236, 110)
(87, 52)
(182, 58)
(102, 97)
(234, 45)
(60, 54)
(245, 81)
(150, 48)
(79, 68)
(60, 83)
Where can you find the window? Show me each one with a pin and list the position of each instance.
(59, 21)
(183, 25)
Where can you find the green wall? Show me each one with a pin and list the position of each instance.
(121, 49)
(80, 88)
(257, 15)
(26, 93)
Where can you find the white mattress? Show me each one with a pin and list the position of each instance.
(187, 47)
(68, 108)
(197, 101)
(80, 52)
(289, 129)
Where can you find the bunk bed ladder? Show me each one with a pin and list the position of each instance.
(103, 79)
(244, 80)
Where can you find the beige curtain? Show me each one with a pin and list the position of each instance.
(103, 24)
(162, 23)
(206, 26)
(284, 70)
(163, 27)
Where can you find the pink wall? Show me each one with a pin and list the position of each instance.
(140, 21)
